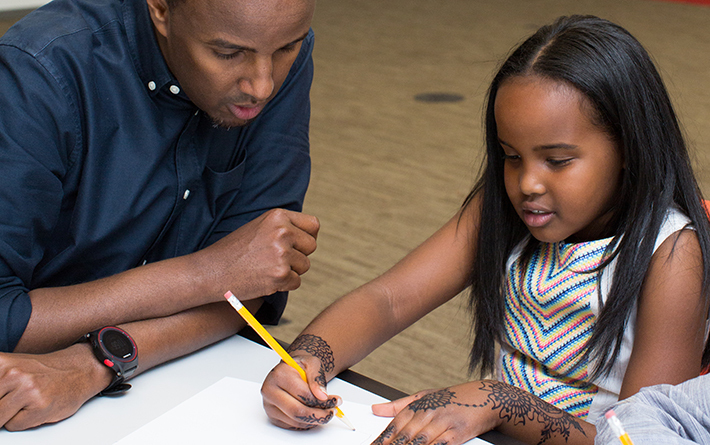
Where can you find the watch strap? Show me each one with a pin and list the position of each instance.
(116, 387)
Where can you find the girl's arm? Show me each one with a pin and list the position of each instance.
(671, 319)
(670, 336)
(359, 322)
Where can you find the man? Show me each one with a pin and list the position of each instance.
(153, 155)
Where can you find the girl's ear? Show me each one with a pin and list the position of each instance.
(159, 15)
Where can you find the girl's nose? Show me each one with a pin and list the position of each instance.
(531, 182)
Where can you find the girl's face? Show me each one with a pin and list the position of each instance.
(562, 172)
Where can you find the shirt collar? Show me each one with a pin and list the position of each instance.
(144, 48)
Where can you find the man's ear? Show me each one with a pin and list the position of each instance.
(159, 15)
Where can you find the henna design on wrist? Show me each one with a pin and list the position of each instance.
(319, 348)
(514, 405)
(517, 405)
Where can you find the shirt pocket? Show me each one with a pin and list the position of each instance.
(222, 188)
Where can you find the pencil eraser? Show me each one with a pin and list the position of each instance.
(609, 414)
(228, 295)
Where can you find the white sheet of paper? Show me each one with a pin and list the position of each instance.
(230, 412)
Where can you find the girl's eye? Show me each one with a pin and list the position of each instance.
(559, 162)
(507, 157)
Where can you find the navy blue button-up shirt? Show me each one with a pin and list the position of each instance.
(106, 164)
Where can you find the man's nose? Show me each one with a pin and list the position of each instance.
(259, 80)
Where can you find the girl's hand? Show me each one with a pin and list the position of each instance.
(447, 416)
(457, 414)
(294, 404)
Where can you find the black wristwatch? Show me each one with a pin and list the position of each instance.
(116, 349)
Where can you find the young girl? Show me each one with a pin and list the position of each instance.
(584, 243)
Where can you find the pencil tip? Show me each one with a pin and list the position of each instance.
(348, 423)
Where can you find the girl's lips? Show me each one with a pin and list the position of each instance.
(536, 218)
(245, 113)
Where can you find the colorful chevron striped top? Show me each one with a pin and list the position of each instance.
(548, 321)
(549, 317)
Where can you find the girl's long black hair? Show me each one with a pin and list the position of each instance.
(630, 103)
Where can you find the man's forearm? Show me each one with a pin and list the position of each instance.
(60, 315)
(162, 339)
(266, 255)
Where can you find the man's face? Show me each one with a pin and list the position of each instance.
(231, 56)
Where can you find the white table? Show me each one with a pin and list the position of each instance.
(105, 420)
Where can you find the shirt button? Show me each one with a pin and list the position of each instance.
(151, 85)
(186, 194)
(174, 89)
(144, 262)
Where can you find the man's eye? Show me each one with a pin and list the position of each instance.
(227, 56)
(288, 49)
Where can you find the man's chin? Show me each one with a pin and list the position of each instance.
(218, 122)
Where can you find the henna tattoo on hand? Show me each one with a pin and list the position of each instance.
(514, 404)
(419, 440)
(317, 347)
(518, 406)
(315, 420)
(437, 399)
(386, 434)
(401, 440)
(312, 402)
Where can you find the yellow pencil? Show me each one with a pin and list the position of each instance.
(617, 428)
(264, 334)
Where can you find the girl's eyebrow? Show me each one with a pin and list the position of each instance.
(502, 142)
(554, 146)
(545, 146)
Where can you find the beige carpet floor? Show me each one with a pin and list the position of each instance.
(389, 170)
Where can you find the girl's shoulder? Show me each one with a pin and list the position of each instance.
(673, 221)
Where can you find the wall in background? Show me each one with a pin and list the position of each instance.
(10, 5)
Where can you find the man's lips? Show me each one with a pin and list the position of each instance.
(245, 112)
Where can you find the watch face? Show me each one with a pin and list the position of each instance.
(117, 344)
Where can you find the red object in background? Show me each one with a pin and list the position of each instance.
(697, 2)
(706, 204)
